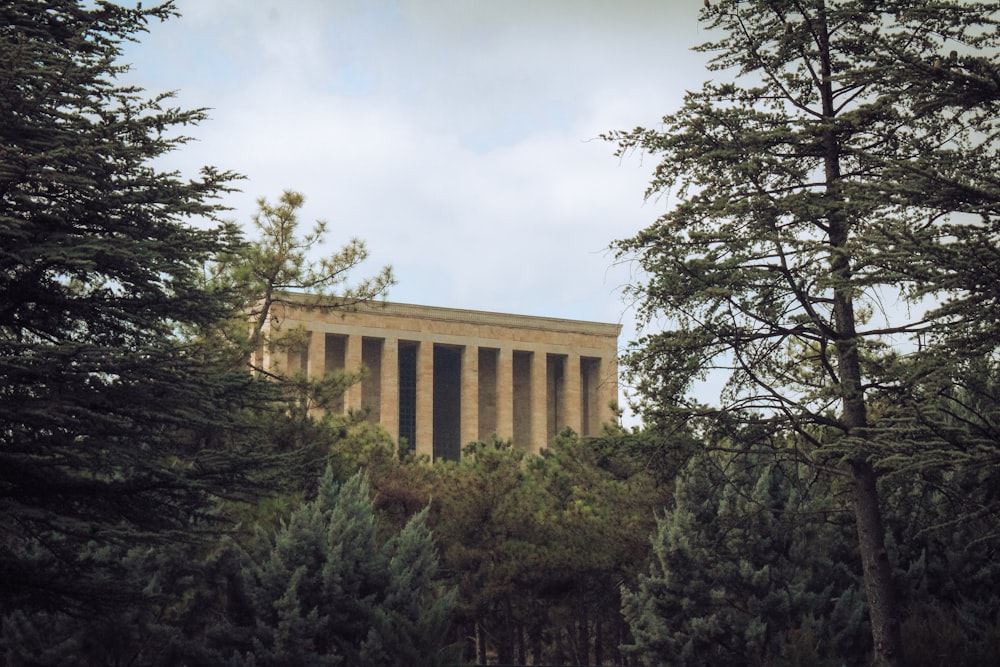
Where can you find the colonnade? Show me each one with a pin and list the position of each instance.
(441, 378)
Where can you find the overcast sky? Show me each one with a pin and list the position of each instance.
(458, 138)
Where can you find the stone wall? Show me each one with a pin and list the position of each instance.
(443, 377)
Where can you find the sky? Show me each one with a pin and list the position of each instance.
(457, 138)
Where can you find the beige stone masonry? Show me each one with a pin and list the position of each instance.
(444, 377)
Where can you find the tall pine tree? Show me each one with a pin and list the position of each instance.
(110, 411)
(827, 197)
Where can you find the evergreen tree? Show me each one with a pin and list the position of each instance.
(749, 569)
(114, 420)
(329, 588)
(943, 509)
(276, 270)
(823, 194)
(537, 547)
(947, 567)
(590, 506)
(481, 520)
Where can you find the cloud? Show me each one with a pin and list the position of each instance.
(457, 138)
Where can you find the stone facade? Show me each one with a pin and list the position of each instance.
(444, 377)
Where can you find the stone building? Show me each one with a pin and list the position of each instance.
(444, 377)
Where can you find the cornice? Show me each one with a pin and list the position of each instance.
(482, 317)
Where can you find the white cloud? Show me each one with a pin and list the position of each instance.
(455, 137)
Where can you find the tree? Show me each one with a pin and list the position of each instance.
(275, 270)
(591, 504)
(479, 514)
(113, 416)
(328, 587)
(537, 547)
(814, 255)
(946, 564)
(943, 510)
(750, 567)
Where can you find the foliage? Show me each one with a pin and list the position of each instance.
(741, 265)
(113, 420)
(131, 439)
(751, 559)
(755, 565)
(536, 547)
(591, 502)
(269, 274)
(830, 194)
(478, 516)
(942, 530)
(276, 271)
(328, 587)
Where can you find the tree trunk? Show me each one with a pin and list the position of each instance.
(598, 642)
(536, 644)
(867, 514)
(582, 639)
(864, 494)
(877, 570)
(505, 640)
(864, 497)
(480, 644)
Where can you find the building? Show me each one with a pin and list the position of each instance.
(444, 377)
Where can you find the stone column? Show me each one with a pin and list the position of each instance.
(352, 364)
(470, 394)
(505, 393)
(425, 399)
(574, 399)
(317, 355)
(389, 398)
(316, 364)
(539, 402)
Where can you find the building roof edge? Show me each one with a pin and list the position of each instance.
(479, 316)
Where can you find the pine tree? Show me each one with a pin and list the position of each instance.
(943, 510)
(829, 193)
(538, 547)
(329, 588)
(276, 270)
(748, 564)
(114, 420)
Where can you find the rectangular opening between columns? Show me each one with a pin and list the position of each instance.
(488, 364)
(590, 409)
(408, 393)
(371, 382)
(336, 360)
(555, 392)
(522, 399)
(447, 402)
